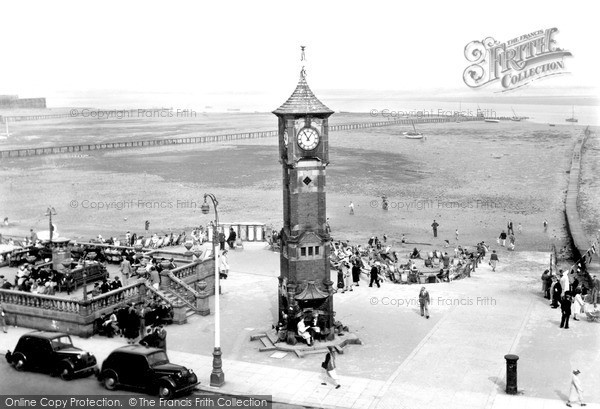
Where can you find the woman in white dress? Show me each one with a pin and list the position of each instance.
(223, 265)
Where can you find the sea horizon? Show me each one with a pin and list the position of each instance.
(585, 106)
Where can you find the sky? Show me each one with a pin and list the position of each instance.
(245, 47)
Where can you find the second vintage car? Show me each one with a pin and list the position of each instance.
(147, 369)
(51, 352)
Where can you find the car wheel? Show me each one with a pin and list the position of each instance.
(65, 373)
(165, 391)
(19, 362)
(109, 381)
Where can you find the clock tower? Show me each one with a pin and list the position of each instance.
(305, 286)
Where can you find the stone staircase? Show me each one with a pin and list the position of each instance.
(173, 298)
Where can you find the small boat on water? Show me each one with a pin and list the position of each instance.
(413, 134)
(551, 124)
(572, 119)
(491, 120)
(515, 117)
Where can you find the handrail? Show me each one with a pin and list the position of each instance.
(181, 299)
(183, 284)
(158, 293)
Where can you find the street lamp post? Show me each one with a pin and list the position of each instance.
(217, 376)
(84, 285)
(50, 212)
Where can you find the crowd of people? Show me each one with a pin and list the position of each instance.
(154, 241)
(143, 322)
(574, 292)
(379, 262)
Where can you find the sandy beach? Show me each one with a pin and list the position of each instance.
(473, 177)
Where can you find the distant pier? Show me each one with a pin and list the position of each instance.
(55, 150)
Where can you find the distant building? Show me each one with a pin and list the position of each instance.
(14, 102)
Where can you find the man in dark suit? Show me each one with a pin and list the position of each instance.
(434, 225)
(424, 301)
(222, 241)
(565, 307)
(556, 290)
(231, 238)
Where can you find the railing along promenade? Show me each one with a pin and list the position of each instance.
(55, 150)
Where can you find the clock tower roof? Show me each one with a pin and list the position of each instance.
(302, 101)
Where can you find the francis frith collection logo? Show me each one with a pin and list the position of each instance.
(516, 62)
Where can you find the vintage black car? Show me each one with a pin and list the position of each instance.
(147, 369)
(51, 352)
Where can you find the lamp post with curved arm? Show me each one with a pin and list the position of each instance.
(217, 376)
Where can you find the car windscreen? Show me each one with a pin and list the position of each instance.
(62, 342)
(158, 358)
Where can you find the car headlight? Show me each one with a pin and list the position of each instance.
(78, 356)
(191, 371)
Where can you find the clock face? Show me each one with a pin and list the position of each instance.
(308, 139)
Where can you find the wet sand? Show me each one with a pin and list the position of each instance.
(473, 177)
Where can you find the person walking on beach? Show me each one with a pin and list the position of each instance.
(329, 368)
(375, 275)
(424, 301)
(509, 227)
(351, 206)
(356, 272)
(576, 391)
(511, 242)
(456, 234)
(502, 238)
(494, 260)
(545, 225)
(434, 225)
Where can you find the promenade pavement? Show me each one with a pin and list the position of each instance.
(455, 359)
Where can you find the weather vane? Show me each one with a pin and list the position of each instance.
(302, 58)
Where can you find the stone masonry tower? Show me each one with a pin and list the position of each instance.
(304, 283)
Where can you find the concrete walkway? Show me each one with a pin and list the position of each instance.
(454, 359)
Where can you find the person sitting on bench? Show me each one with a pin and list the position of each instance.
(304, 333)
(314, 329)
(442, 275)
(415, 253)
